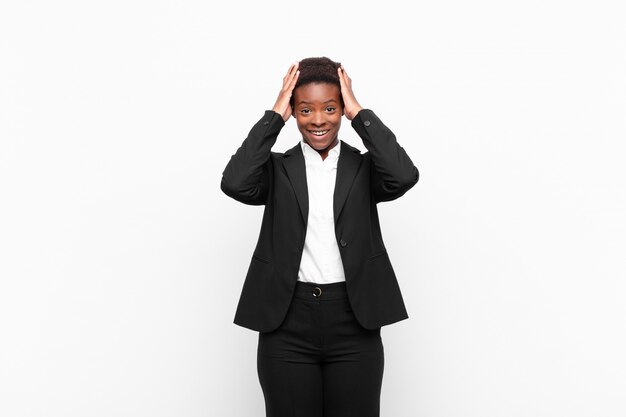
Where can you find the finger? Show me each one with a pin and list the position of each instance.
(290, 72)
(293, 72)
(294, 80)
(345, 76)
(343, 70)
(291, 82)
(293, 68)
(341, 76)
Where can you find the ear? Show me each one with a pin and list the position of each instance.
(293, 113)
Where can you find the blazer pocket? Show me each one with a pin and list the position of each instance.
(260, 259)
(376, 255)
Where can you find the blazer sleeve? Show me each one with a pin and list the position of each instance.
(392, 171)
(246, 176)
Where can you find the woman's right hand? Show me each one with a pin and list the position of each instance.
(282, 105)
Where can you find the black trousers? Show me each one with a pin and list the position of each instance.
(321, 362)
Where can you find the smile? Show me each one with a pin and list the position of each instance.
(319, 132)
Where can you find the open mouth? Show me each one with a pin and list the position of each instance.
(319, 133)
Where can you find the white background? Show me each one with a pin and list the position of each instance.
(121, 261)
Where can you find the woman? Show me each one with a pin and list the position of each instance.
(320, 284)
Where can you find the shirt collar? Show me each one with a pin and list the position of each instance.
(308, 151)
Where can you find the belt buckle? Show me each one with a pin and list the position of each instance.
(317, 291)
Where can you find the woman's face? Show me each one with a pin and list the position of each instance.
(317, 109)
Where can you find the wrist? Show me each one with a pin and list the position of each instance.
(355, 112)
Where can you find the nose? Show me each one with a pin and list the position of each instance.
(318, 119)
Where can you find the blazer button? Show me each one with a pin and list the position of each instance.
(343, 243)
(366, 123)
(266, 123)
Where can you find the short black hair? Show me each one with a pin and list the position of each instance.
(318, 70)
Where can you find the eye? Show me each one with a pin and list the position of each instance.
(330, 108)
(305, 111)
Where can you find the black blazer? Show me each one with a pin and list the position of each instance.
(255, 175)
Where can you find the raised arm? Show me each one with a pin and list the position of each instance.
(393, 173)
(246, 176)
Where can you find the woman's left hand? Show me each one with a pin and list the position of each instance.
(350, 106)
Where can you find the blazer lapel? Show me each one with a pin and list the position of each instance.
(296, 171)
(347, 167)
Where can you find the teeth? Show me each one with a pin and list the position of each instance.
(319, 132)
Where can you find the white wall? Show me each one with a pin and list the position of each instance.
(121, 261)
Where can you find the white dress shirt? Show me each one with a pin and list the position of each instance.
(321, 260)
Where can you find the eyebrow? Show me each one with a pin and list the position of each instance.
(327, 101)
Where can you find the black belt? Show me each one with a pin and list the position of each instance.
(313, 291)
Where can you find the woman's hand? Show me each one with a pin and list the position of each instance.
(282, 106)
(350, 106)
